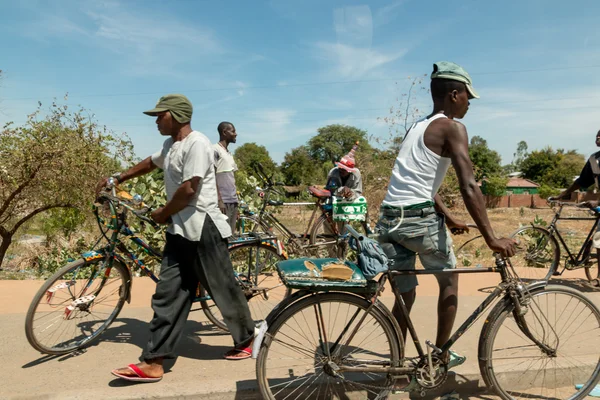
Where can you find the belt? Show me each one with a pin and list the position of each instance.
(423, 212)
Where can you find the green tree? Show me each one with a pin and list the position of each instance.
(569, 166)
(485, 160)
(495, 185)
(539, 163)
(299, 168)
(248, 155)
(52, 163)
(334, 141)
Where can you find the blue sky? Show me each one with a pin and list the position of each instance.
(280, 69)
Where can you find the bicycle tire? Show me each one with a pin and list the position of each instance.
(503, 317)
(278, 326)
(260, 304)
(79, 312)
(534, 260)
(318, 234)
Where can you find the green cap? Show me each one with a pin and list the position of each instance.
(450, 70)
(180, 107)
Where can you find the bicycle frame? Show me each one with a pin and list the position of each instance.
(264, 214)
(502, 288)
(578, 261)
(121, 228)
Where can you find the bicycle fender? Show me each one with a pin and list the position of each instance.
(285, 303)
(129, 276)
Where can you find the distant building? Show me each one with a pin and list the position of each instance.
(516, 185)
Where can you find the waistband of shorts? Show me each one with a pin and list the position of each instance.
(423, 212)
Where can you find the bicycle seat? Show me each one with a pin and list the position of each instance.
(319, 193)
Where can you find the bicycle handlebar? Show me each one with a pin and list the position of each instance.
(130, 205)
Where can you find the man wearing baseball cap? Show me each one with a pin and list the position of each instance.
(196, 242)
(412, 213)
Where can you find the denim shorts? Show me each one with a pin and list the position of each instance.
(426, 237)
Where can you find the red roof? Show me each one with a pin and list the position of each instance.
(521, 182)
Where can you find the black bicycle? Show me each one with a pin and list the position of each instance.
(332, 338)
(539, 254)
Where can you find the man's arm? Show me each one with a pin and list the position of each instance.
(457, 147)
(181, 199)
(141, 168)
(455, 225)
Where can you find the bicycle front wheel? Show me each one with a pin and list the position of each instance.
(256, 272)
(75, 305)
(552, 352)
(538, 254)
(309, 345)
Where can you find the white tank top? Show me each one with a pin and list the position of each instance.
(418, 172)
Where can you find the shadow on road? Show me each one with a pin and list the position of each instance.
(135, 332)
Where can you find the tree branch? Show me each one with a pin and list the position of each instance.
(19, 189)
(34, 213)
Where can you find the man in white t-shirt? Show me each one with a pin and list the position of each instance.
(196, 243)
(225, 168)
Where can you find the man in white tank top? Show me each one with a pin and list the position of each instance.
(428, 149)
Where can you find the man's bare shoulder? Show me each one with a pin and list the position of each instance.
(448, 128)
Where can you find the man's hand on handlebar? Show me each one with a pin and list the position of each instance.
(159, 217)
(101, 185)
(589, 204)
(345, 192)
(505, 246)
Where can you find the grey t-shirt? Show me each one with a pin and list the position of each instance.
(182, 161)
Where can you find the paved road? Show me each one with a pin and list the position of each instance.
(199, 372)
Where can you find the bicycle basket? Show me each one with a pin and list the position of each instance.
(349, 210)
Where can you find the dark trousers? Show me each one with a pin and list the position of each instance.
(184, 264)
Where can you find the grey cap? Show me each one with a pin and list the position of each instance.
(450, 70)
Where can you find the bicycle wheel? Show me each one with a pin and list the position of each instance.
(472, 251)
(538, 254)
(566, 322)
(75, 305)
(249, 224)
(324, 241)
(261, 286)
(308, 345)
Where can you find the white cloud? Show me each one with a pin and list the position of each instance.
(349, 62)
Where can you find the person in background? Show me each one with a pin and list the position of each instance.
(225, 168)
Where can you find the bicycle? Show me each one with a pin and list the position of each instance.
(80, 301)
(541, 248)
(334, 337)
(323, 234)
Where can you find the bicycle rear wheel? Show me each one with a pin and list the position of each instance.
(538, 254)
(75, 305)
(308, 345)
(324, 238)
(261, 286)
(516, 367)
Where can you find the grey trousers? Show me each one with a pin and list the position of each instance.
(184, 264)
(231, 211)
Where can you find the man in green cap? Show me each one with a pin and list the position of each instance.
(413, 215)
(196, 242)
